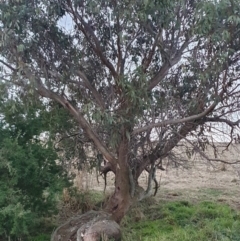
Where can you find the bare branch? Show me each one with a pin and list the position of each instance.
(176, 121)
(218, 119)
(161, 151)
(104, 171)
(8, 65)
(225, 162)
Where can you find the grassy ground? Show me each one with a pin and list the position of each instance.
(182, 221)
(177, 216)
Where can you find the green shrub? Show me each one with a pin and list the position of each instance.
(30, 179)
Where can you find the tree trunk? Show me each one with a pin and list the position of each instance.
(92, 226)
(120, 201)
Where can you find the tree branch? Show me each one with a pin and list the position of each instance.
(8, 65)
(166, 66)
(44, 92)
(176, 121)
(161, 151)
(189, 118)
(147, 61)
(87, 31)
(182, 133)
(87, 84)
(218, 119)
(81, 120)
(120, 57)
(95, 93)
(225, 162)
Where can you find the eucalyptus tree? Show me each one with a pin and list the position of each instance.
(137, 76)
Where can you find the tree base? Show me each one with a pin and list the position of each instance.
(91, 226)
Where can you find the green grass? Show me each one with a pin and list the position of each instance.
(41, 237)
(169, 220)
(184, 221)
(212, 192)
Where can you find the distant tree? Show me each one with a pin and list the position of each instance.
(30, 179)
(137, 76)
